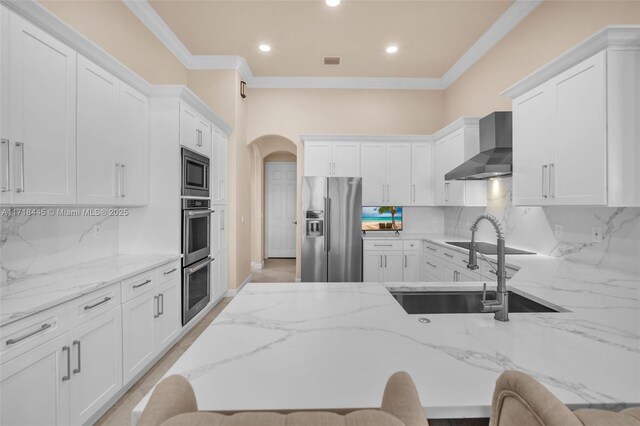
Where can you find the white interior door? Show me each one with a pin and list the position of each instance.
(280, 188)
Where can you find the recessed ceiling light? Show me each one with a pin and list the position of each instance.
(265, 48)
(392, 49)
(332, 3)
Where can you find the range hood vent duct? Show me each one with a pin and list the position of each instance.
(495, 157)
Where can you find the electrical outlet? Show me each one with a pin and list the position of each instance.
(596, 234)
(96, 231)
(559, 232)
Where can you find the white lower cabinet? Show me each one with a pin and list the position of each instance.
(412, 266)
(32, 389)
(96, 364)
(167, 325)
(67, 379)
(383, 266)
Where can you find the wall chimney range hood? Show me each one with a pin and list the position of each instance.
(495, 157)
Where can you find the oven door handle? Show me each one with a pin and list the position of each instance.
(200, 213)
(201, 265)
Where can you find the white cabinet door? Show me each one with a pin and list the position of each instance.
(219, 175)
(222, 228)
(412, 266)
(5, 172)
(398, 174)
(188, 128)
(532, 141)
(203, 130)
(221, 284)
(372, 167)
(32, 390)
(317, 159)
(98, 169)
(422, 188)
(132, 145)
(578, 174)
(372, 264)
(168, 321)
(138, 318)
(449, 272)
(96, 364)
(43, 116)
(393, 266)
(441, 153)
(455, 157)
(345, 157)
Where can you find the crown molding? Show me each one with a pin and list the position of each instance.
(455, 125)
(519, 10)
(507, 21)
(346, 83)
(611, 37)
(366, 138)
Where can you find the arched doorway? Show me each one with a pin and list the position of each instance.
(275, 204)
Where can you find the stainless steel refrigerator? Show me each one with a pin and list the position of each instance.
(332, 233)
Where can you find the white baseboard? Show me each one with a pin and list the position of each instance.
(257, 265)
(234, 291)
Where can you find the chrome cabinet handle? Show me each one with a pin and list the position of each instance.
(170, 272)
(42, 328)
(414, 192)
(383, 245)
(405, 260)
(20, 147)
(123, 182)
(431, 248)
(388, 193)
(447, 254)
(77, 370)
(161, 302)
(67, 349)
(223, 217)
(156, 307)
(381, 261)
(6, 184)
(544, 167)
(432, 265)
(552, 179)
(141, 284)
(385, 260)
(116, 181)
(95, 305)
(446, 192)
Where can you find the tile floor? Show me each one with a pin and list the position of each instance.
(276, 271)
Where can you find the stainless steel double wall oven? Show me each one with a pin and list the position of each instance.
(196, 234)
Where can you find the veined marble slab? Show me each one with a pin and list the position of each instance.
(334, 345)
(35, 293)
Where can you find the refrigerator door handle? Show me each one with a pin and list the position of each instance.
(327, 225)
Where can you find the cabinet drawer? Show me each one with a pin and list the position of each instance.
(91, 305)
(431, 248)
(382, 245)
(168, 272)
(411, 245)
(21, 336)
(139, 284)
(433, 267)
(450, 255)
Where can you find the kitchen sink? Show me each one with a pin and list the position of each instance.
(461, 302)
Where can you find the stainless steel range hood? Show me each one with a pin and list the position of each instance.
(495, 150)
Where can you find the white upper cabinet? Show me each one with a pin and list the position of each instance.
(195, 132)
(113, 148)
(398, 173)
(42, 122)
(576, 138)
(332, 159)
(98, 170)
(454, 145)
(373, 163)
(132, 145)
(422, 190)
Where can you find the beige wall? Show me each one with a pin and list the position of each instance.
(550, 30)
(112, 26)
(291, 112)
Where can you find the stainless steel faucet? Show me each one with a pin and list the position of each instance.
(500, 305)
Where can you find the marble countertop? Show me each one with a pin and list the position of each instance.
(334, 345)
(35, 293)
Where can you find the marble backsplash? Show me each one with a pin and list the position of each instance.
(31, 245)
(533, 228)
